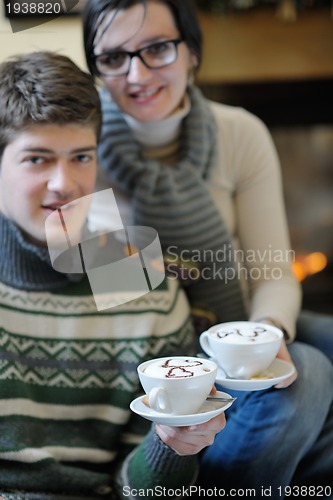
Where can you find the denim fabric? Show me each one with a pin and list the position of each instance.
(272, 436)
(316, 329)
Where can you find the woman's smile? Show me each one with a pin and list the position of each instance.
(145, 95)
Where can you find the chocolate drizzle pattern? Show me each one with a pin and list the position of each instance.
(180, 371)
(235, 331)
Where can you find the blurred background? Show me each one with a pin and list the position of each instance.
(275, 58)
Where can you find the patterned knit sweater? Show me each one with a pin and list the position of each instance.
(67, 377)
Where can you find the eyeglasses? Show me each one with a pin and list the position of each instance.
(154, 56)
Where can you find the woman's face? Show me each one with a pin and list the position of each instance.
(146, 94)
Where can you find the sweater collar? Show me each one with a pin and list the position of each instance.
(25, 266)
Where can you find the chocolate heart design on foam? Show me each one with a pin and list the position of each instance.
(188, 363)
(180, 371)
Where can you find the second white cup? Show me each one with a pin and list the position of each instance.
(243, 349)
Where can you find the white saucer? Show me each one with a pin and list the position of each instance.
(275, 373)
(207, 411)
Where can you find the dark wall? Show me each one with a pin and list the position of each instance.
(282, 103)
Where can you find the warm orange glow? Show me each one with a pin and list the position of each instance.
(299, 270)
(309, 264)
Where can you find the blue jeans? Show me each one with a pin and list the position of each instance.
(277, 437)
(316, 329)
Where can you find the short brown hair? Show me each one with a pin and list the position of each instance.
(45, 87)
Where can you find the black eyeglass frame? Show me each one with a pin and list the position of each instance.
(135, 53)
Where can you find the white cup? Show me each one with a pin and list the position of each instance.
(177, 385)
(243, 349)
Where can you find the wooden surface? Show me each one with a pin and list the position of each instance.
(255, 46)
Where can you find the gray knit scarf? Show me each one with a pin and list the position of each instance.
(175, 200)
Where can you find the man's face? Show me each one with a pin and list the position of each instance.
(44, 168)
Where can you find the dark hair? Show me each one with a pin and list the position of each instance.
(183, 11)
(45, 87)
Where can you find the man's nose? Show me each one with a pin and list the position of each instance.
(61, 178)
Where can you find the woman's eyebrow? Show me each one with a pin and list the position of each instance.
(148, 41)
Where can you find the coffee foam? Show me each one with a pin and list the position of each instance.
(244, 334)
(174, 368)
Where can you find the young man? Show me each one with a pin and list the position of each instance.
(67, 370)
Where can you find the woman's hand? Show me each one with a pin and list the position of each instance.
(284, 355)
(192, 439)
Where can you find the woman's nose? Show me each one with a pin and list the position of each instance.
(138, 71)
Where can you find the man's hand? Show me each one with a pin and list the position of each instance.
(192, 439)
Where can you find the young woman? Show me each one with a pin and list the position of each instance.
(207, 177)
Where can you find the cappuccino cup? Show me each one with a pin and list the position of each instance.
(243, 349)
(177, 385)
